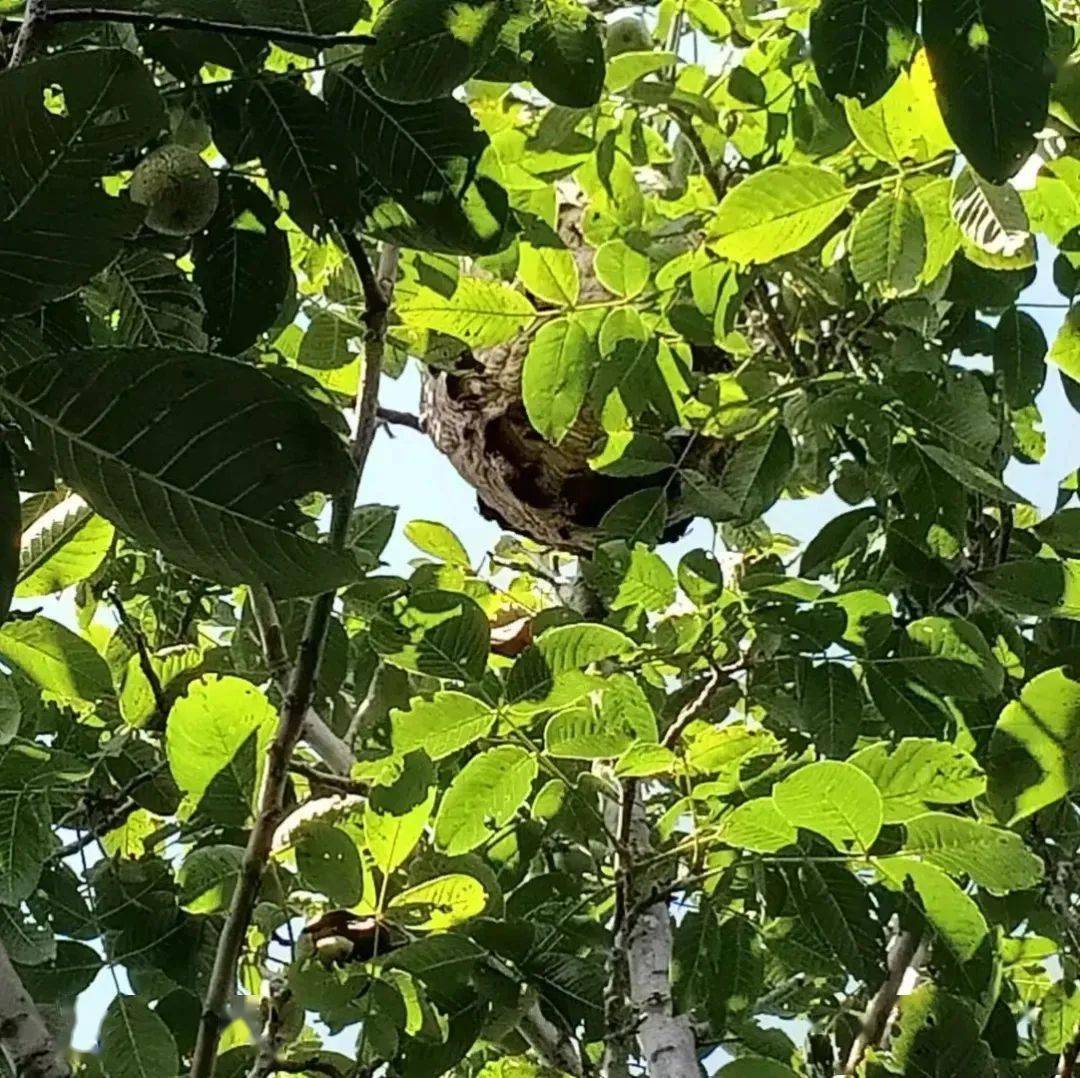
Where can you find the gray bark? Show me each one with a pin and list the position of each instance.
(27, 1042)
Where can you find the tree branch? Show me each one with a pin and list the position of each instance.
(161, 702)
(665, 1039)
(328, 779)
(34, 18)
(400, 419)
(152, 21)
(296, 704)
(26, 1040)
(876, 1018)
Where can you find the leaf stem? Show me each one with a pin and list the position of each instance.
(38, 16)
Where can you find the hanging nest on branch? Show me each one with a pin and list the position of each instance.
(474, 414)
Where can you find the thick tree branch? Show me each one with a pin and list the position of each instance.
(296, 704)
(34, 18)
(400, 419)
(876, 1018)
(153, 21)
(551, 1043)
(26, 1040)
(665, 1039)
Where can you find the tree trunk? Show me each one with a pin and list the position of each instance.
(27, 1042)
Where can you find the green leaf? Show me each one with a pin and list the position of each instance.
(328, 861)
(1035, 747)
(1020, 356)
(642, 760)
(141, 436)
(1065, 351)
(441, 726)
(392, 832)
(55, 659)
(972, 476)
(425, 49)
(208, 878)
(26, 941)
(701, 576)
(419, 180)
(939, 1036)
(482, 314)
(135, 1042)
(567, 46)
(759, 826)
(993, 81)
(242, 267)
(832, 799)
(905, 125)
(951, 656)
(439, 904)
(10, 710)
(1039, 586)
(1061, 531)
(755, 475)
(888, 244)
(859, 45)
(589, 732)
(207, 730)
(952, 913)
(991, 218)
(441, 633)
(58, 228)
(1059, 1017)
(777, 211)
(438, 541)
(156, 304)
(550, 273)
(830, 708)
(835, 908)
(26, 842)
(484, 796)
(620, 269)
(326, 342)
(304, 156)
(556, 376)
(919, 772)
(64, 545)
(995, 859)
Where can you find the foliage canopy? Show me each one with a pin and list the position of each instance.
(597, 811)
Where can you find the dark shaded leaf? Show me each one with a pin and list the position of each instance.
(145, 437)
(992, 78)
(241, 267)
(859, 45)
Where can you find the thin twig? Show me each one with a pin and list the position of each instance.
(400, 419)
(328, 779)
(692, 710)
(298, 696)
(34, 18)
(119, 806)
(161, 701)
(151, 21)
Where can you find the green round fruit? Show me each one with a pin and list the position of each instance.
(628, 34)
(178, 189)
